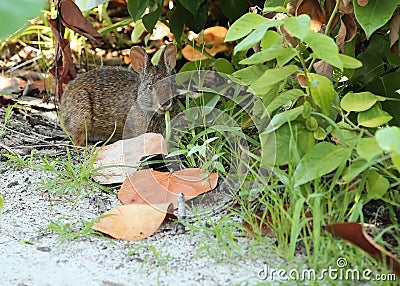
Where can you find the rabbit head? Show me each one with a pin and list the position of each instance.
(154, 91)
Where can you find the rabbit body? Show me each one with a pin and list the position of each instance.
(97, 103)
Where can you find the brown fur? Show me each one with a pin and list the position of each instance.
(97, 102)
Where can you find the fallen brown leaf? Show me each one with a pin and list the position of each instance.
(125, 155)
(355, 233)
(132, 222)
(313, 9)
(214, 36)
(153, 187)
(362, 3)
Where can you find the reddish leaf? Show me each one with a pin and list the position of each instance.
(72, 18)
(362, 3)
(356, 234)
(313, 9)
(6, 100)
(152, 187)
(133, 222)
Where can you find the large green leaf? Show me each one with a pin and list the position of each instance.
(136, 8)
(284, 117)
(14, 14)
(299, 26)
(387, 85)
(373, 117)
(271, 77)
(375, 14)
(284, 98)
(255, 36)
(250, 74)
(191, 6)
(359, 165)
(274, 52)
(320, 160)
(243, 26)
(232, 9)
(377, 185)
(388, 139)
(149, 20)
(360, 101)
(368, 148)
(322, 91)
(325, 48)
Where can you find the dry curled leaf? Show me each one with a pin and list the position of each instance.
(313, 9)
(394, 32)
(125, 155)
(213, 36)
(153, 187)
(72, 18)
(362, 3)
(323, 68)
(355, 233)
(132, 222)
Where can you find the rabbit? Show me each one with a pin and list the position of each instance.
(96, 103)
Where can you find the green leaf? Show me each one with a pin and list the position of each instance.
(324, 48)
(270, 39)
(377, 185)
(284, 117)
(224, 66)
(85, 5)
(373, 117)
(360, 101)
(149, 20)
(320, 160)
(232, 9)
(368, 148)
(14, 14)
(269, 54)
(136, 8)
(191, 6)
(271, 77)
(250, 74)
(311, 123)
(350, 62)
(322, 91)
(388, 139)
(243, 26)
(374, 15)
(359, 165)
(283, 99)
(255, 36)
(299, 26)
(319, 133)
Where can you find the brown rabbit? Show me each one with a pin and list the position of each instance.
(97, 102)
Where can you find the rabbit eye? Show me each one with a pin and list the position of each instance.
(150, 87)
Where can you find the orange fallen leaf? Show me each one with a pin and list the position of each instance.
(132, 222)
(214, 36)
(362, 3)
(355, 233)
(125, 155)
(153, 187)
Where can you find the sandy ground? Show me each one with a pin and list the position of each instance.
(29, 256)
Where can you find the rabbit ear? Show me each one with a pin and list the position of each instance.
(139, 59)
(169, 57)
